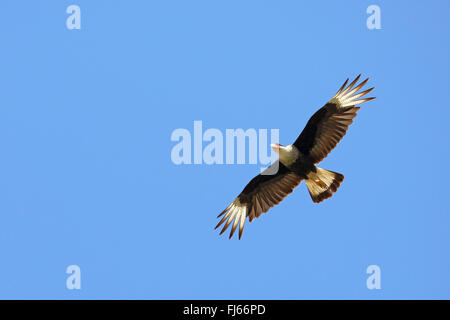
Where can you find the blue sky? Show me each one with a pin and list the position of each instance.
(86, 176)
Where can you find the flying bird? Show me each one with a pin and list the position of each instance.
(296, 162)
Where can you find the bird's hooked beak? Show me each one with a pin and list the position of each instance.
(276, 147)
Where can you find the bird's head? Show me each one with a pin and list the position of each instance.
(286, 154)
(276, 147)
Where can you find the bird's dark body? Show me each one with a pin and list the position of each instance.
(302, 166)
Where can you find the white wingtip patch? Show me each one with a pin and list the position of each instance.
(347, 97)
(236, 213)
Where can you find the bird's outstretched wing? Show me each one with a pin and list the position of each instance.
(261, 193)
(329, 124)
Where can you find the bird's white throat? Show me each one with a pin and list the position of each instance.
(288, 154)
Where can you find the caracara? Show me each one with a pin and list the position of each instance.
(296, 162)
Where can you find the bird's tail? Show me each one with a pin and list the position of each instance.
(323, 183)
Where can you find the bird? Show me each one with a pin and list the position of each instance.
(297, 161)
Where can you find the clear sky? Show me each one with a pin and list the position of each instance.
(86, 176)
